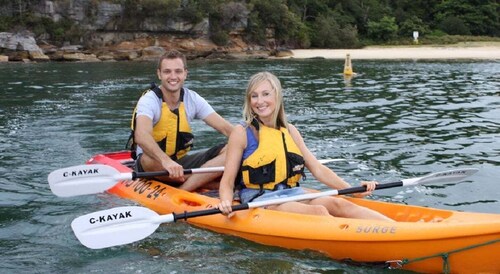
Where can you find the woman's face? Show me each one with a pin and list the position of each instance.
(263, 101)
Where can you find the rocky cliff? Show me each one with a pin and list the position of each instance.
(104, 39)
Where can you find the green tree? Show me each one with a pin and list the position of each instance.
(405, 10)
(329, 34)
(412, 24)
(308, 10)
(383, 30)
(454, 25)
(363, 11)
(267, 16)
(480, 17)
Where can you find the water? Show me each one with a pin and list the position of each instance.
(394, 120)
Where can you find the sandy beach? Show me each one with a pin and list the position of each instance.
(489, 51)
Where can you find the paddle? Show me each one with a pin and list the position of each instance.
(123, 225)
(96, 178)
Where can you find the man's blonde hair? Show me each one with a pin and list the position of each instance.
(172, 54)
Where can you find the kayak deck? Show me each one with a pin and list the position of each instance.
(422, 239)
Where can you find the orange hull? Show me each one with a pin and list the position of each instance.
(423, 240)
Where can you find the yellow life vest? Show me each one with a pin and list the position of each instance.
(172, 132)
(276, 160)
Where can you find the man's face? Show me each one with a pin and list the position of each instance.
(172, 74)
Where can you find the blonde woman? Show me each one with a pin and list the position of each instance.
(266, 157)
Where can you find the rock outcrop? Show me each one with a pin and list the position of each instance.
(23, 47)
(20, 47)
(104, 40)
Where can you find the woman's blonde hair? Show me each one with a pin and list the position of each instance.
(279, 116)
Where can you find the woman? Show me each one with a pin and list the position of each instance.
(266, 158)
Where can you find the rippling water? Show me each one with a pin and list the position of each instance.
(393, 120)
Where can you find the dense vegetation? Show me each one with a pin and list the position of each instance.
(296, 23)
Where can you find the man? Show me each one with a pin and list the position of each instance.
(162, 131)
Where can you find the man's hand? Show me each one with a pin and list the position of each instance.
(175, 171)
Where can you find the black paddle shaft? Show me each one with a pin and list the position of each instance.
(360, 189)
(153, 174)
(185, 215)
(212, 211)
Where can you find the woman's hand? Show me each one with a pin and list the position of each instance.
(370, 187)
(226, 208)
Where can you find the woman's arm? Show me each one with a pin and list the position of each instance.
(235, 147)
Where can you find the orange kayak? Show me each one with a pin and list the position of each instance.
(423, 239)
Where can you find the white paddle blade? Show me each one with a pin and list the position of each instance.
(116, 226)
(448, 176)
(326, 161)
(82, 180)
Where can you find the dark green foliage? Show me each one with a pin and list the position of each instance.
(219, 37)
(477, 17)
(454, 26)
(384, 30)
(273, 19)
(6, 23)
(276, 23)
(411, 24)
(329, 34)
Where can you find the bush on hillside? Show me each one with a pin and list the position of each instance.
(384, 30)
(454, 26)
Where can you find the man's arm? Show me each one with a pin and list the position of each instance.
(218, 123)
(154, 157)
(144, 138)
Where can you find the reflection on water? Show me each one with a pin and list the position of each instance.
(392, 120)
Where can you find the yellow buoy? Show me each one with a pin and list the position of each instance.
(348, 65)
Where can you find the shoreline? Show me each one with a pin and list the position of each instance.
(486, 52)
